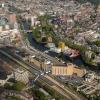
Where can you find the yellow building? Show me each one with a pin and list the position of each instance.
(59, 70)
(61, 45)
(79, 72)
(70, 69)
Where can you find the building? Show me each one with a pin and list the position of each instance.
(11, 37)
(4, 78)
(98, 9)
(42, 64)
(33, 20)
(4, 25)
(59, 70)
(61, 45)
(5, 72)
(55, 49)
(36, 61)
(88, 54)
(90, 76)
(50, 45)
(50, 39)
(12, 18)
(70, 69)
(21, 75)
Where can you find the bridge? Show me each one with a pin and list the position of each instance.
(26, 31)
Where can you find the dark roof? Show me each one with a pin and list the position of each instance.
(3, 74)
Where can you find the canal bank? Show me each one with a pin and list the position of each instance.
(42, 48)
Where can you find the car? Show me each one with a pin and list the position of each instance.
(64, 62)
(17, 51)
(51, 63)
(33, 56)
(46, 72)
(36, 73)
(48, 62)
(46, 51)
(42, 73)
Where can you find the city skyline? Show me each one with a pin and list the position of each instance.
(49, 50)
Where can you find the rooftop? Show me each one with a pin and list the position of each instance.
(3, 74)
(3, 22)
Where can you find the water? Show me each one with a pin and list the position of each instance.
(36, 45)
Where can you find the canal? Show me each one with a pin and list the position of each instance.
(42, 48)
(78, 61)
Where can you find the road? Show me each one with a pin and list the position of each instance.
(46, 79)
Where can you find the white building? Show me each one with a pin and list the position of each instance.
(57, 50)
(10, 37)
(33, 20)
(90, 77)
(21, 75)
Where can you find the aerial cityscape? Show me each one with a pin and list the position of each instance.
(49, 49)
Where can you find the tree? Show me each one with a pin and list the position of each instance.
(97, 43)
(18, 86)
(39, 94)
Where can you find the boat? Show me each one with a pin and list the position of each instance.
(72, 53)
